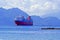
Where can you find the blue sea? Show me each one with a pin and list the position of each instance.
(28, 33)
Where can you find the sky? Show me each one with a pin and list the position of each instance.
(33, 7)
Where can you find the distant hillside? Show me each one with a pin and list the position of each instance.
(37, 20)
(7, 16)
(49, 21)
(52, 21)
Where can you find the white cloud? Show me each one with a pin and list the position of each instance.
(33, 0)
(32, 7)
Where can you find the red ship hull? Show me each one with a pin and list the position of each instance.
(23, 23)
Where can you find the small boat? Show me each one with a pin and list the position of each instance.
(20, 20)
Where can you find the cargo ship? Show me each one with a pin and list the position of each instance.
(20, 20)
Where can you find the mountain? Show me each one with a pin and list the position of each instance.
(7, 16)
(52, 21)
(37, 20)
(48, 21)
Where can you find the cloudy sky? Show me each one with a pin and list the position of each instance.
(33, 7)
